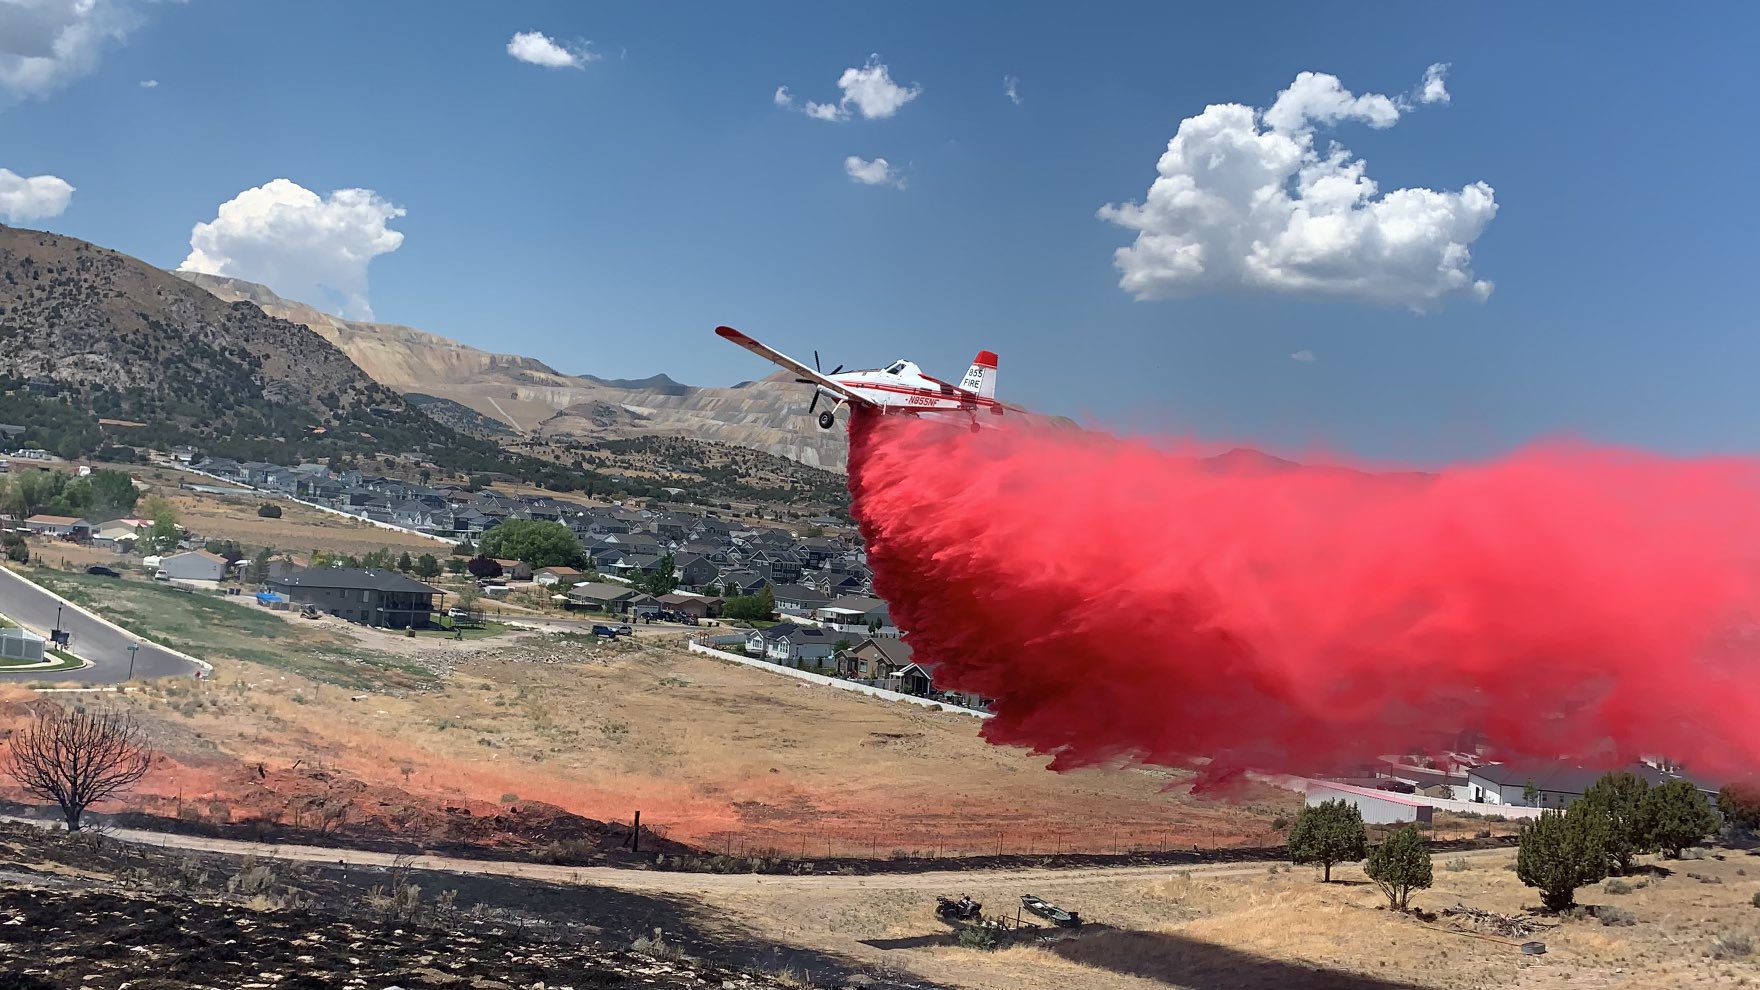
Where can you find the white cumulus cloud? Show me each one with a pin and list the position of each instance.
(1244, 200)
(37, 197)
(45, 44)
(304, 246)
(877, 172)
(148, 84)
(1304, 355)
(1434, 89)
(538, 48)
(1011, 88)
(868, 91)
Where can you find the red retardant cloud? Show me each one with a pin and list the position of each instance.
(1123, 602)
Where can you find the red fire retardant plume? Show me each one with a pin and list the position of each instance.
(1119, 601)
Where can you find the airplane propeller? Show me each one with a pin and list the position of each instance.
(808, 381)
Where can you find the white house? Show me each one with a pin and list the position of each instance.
(1554, 784)
(192, 565)
(796, 646)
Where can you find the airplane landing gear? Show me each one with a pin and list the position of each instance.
(827, 420)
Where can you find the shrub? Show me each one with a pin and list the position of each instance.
(1279, 823)
(657, 947)
(1732, 945)
(1757, 898)
(978, 937)
(1399, 866)
(1327, 833)
(268, 511)
(1458, 866)
(1615, 916)
(1676, 816)
(1618, 887)
(1561, 851)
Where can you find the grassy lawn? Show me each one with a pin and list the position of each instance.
(216, 628)
(62, 661)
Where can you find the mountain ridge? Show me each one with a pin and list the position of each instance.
(533, 398)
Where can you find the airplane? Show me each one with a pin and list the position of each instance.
(900, 387)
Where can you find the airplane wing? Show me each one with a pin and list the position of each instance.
(780, 359)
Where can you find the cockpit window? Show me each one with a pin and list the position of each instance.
(896, 369)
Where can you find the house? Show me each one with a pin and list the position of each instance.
(1554, 783)
(800, 598)
(601, 596)
(374, 597)
(192, 565)
(853, 612)
(224, 468)
(693, 605)
(742, 582)
(514, 570)
(551, 576)
(118, 535)
(796, 646)
(875, 659)
(695, 570)
(183, 453)
(60, 527)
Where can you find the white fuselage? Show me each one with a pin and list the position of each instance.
(901, 387)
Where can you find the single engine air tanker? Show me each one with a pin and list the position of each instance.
(900, 387)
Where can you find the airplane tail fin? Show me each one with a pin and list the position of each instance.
(981, 376)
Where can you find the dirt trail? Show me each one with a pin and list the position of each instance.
(673, 882)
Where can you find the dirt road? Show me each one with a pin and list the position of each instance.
(659, 881)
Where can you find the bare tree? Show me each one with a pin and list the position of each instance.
(77, 758)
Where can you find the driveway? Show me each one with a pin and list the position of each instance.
(106, 647)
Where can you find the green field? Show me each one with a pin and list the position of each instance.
(215, 629)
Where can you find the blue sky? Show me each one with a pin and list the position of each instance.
(605, 218)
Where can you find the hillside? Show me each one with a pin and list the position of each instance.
(89, 334)
(536, 399)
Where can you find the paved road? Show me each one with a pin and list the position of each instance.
(685, 883)
(35, 609)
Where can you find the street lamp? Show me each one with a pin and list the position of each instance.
(133, 648)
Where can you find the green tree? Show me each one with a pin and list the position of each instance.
(1561, 851)
(1676, 816)
(752, 608)
(268, 511)
(1619, 799)
(1529, 791)
(164, 534)
(112, 493)
(1327, 833)
(534, 541)
(260, 567)
(662, 581)
(1399, 866)
(427, 567)
(454, 565)
(464, 548)
(379, 559)
(1739, 803)
(404, 563)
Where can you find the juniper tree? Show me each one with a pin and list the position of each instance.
(1399, 866)
(1561, 851)
(1676, 816)
(1619, 799)
(1327, 833)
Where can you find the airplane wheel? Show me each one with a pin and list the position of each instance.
(827, 420)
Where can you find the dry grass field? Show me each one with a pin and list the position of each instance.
(712, 753)
(1252, 929)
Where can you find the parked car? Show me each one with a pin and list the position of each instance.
(623, 629)
(99, 570)
(1397, 786)
(605, 631)
(458, 613)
